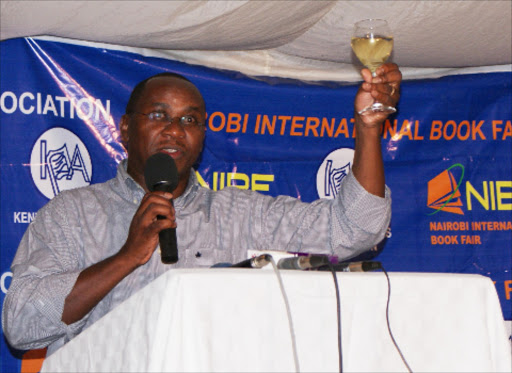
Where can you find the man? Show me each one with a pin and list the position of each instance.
(90, 248)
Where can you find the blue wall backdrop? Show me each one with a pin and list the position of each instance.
(447, 152)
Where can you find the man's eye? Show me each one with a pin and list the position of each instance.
(157, 115)
(188, 120)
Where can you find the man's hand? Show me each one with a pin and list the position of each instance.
(384, 88)
(143, 234)
(98, 280)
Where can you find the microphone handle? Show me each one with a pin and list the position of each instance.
(168, 246)
(303, 262)
(364, 266)
(168, 241)
(256, 262)
(247, 263)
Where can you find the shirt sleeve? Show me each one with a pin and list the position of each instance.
(346, 226)
(45, 270)
(360, 219)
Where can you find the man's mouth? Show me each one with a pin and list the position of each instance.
(173, 152)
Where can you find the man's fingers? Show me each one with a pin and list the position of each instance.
(387, 68)
(367, 75)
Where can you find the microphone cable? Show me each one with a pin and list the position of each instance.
(374, 265)
(338, 308)
(289, 314)
(388, 323)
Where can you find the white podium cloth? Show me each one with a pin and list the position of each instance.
(235, 320)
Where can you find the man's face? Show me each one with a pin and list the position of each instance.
(144, 137)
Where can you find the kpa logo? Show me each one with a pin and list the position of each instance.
(59, 161)
(444, 193)
(333, 170)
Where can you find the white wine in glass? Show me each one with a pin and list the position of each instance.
(372, 43)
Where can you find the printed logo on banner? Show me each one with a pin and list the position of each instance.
(444, 193)
(332, 171)
(59, 161)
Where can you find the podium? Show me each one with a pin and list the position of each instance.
(235, 320)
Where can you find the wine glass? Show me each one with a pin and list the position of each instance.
(372, 43)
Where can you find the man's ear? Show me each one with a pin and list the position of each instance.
(123, 128)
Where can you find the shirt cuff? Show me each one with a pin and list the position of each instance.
(53, 291)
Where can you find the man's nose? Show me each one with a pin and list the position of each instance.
(174, 128)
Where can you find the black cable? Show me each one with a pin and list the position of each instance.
(338, 308)
(389, 326)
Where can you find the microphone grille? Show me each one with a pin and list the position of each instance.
(160, 168)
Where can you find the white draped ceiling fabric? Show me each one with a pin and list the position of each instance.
(306, 40)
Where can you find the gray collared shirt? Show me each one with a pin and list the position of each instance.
(83, 226)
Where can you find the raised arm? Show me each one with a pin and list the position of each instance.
(368, 167)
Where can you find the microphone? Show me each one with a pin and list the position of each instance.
(303, 262)
(364, 266)
(256, 262)
(161, 174)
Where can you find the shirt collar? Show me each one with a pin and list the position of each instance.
(133, 191)
(130, 189)
(189, 193)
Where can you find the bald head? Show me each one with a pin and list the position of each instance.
(139, 89)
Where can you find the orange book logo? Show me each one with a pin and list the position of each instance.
(443, 192)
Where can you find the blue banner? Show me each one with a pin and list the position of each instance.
(447, 152)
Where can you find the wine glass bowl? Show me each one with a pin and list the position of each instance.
(372, 43)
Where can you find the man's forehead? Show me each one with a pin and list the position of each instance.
(170, 84)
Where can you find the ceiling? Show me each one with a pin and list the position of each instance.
(308, 40)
